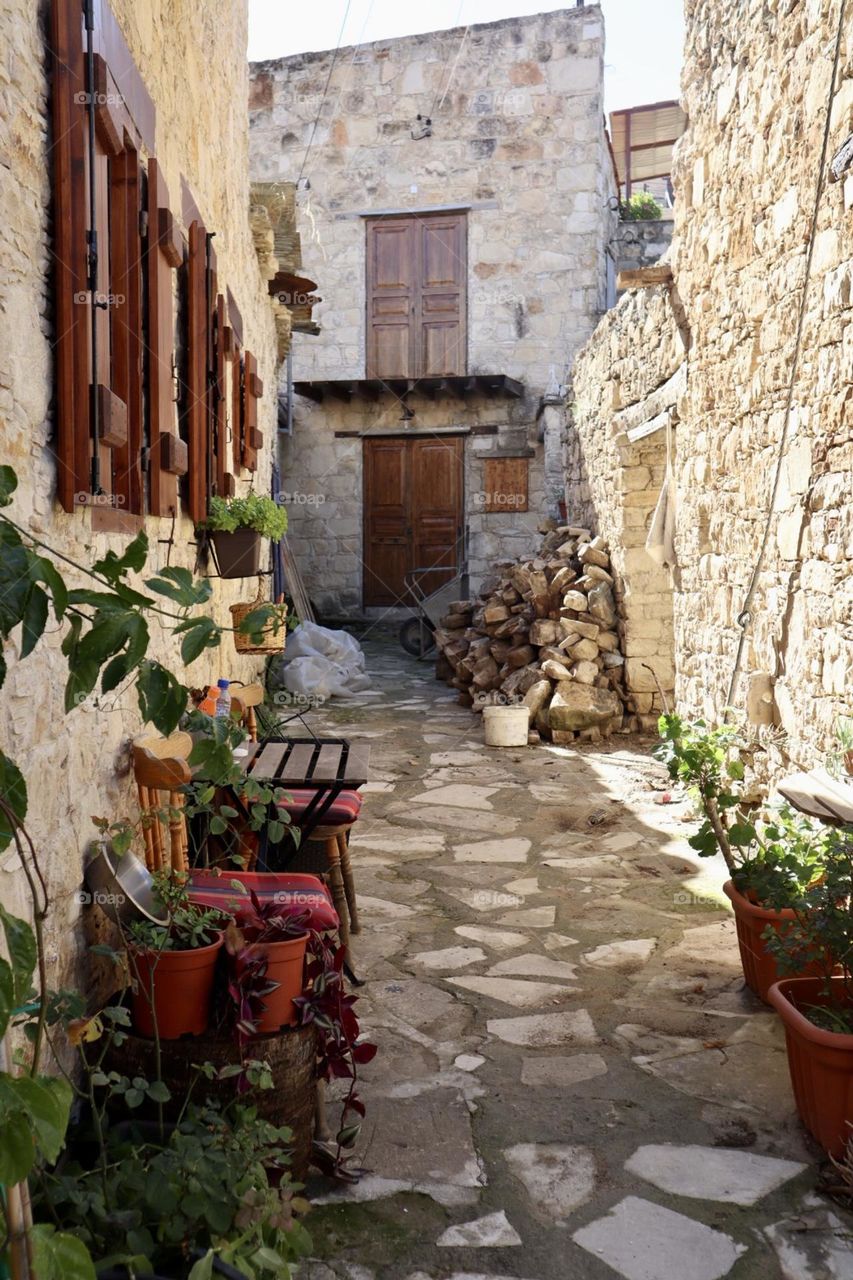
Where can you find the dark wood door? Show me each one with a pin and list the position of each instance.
(416, 296)
(413, 495)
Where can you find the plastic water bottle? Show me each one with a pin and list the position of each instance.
(223, 700)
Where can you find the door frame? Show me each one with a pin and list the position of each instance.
(454, 433)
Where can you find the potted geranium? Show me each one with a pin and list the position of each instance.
(238, 527)
(773, 855)
(172, 965)
(818, 1011)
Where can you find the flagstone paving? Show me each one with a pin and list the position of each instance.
(572, 1082)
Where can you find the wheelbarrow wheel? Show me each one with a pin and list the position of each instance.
(416, 637)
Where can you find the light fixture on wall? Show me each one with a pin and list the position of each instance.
(407, 414)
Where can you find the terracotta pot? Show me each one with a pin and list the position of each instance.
(178, 984)
(820, 1062)
(286, 966)
(759, 967)
(238, 554)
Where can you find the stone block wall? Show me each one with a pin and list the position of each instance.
(517, 139)
(756, 84)
(641, 243)
(193, 63)
(629, 377)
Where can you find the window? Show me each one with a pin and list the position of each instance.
(416, 296)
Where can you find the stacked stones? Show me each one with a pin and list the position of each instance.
(543, 634)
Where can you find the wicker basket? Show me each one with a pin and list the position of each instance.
(274, 634)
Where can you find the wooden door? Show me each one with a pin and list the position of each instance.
(416, 296)
(413, 497)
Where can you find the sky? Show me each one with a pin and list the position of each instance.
(642, 60)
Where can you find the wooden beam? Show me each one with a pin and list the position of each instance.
(644, 277)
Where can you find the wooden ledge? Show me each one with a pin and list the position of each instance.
(644, 277)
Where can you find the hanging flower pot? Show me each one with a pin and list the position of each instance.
(238, 554)
(239, 527)
(273, 635)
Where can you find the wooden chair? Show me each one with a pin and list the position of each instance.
(244, 703)
(160, 769)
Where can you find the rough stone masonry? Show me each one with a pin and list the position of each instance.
(756, 84)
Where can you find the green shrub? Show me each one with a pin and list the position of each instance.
(641, 207)
(252, 512)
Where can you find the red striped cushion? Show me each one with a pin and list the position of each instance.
(297, 894)
(346, 806)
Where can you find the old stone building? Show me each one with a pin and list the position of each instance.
(456, 205)
(761, 230)
(171, 138)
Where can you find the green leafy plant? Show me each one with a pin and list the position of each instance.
(641, 207)
(255, 511)
(773, 854)
(189, 925)
(822, 935)
(839, 761)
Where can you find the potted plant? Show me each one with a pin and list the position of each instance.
(238, 527)
(773, 855)
(269, 946)
(817, 1011)
(172, 965)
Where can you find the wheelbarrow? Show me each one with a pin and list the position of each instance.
(417, 634)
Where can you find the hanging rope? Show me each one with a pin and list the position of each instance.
(744, 618)
(325, 92)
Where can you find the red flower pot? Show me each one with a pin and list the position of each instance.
(174, 985)
(759, 967)
(820, 1062)
(286, 966)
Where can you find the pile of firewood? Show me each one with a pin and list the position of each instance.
(543, 634)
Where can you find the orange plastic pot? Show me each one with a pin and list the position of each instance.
(286, 966)
(820, 1062)
(174, 986)
(759, 966)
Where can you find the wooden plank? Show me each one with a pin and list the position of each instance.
(196, 386)
(237, 427)
(267, 763)
(505, 483)
(819, 794)
(298, 763)
(126, 321)
(357, 767)
(644, 277)
(328, 763)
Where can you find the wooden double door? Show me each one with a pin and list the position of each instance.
(413, 513)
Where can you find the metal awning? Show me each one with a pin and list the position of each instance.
(461, 386)
(643, 139)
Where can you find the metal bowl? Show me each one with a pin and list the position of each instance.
(122, 887)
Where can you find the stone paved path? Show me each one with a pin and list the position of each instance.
(572, 1082)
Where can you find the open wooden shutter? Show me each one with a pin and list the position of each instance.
(391, 298)
(442, 294)
(164, 253)
(237, 405)
(253, 389)
(125, 313)
(196, 372)
(222, 343)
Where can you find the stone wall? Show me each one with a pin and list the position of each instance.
(641, 243)
(517, 139)
(755, 86)
(629, 378)
(193, 63)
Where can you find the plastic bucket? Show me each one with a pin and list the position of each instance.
(506, 726)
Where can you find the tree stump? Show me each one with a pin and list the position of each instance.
(291, 1054)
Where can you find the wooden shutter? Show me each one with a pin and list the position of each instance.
(441, 335)
(196, 372)
(253, 389)
(73, 442)
(391, 298)
(125, 314)
(237, 405)
(164, 253)
(224, 480)
(416, 296)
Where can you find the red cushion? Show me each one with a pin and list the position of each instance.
(345, 807)
(296, 893)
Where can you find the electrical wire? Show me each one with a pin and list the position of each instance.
(325, 92)
(744, 618)
(435, 101)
